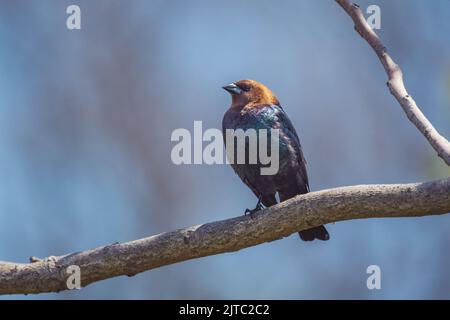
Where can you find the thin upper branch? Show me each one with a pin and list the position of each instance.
(395, 82)
(299, 213)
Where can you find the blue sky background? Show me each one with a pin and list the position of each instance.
(86, 118)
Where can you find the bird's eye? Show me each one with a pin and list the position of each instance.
(245, 87)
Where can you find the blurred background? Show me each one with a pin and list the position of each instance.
(86, 118)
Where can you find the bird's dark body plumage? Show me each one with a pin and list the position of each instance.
(261, 110)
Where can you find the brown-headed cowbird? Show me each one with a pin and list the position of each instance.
(254, 106)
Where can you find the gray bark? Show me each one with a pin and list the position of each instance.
(299, 213)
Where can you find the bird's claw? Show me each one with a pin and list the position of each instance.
(252, 212)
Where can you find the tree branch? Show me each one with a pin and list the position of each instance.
(395, 82)
(299, 213)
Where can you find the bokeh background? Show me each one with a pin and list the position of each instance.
(86, 118)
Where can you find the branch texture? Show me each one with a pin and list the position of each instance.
(395, 82)
(299, 213)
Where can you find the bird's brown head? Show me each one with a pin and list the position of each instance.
(249, 93)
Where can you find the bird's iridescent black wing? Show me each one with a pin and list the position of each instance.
(278, 119)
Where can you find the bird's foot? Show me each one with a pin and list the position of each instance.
(258, 207)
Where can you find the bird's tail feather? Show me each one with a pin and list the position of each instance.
(314, 233)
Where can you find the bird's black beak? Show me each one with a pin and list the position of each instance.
(232, 88)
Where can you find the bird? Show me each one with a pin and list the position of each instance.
(253, 105)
